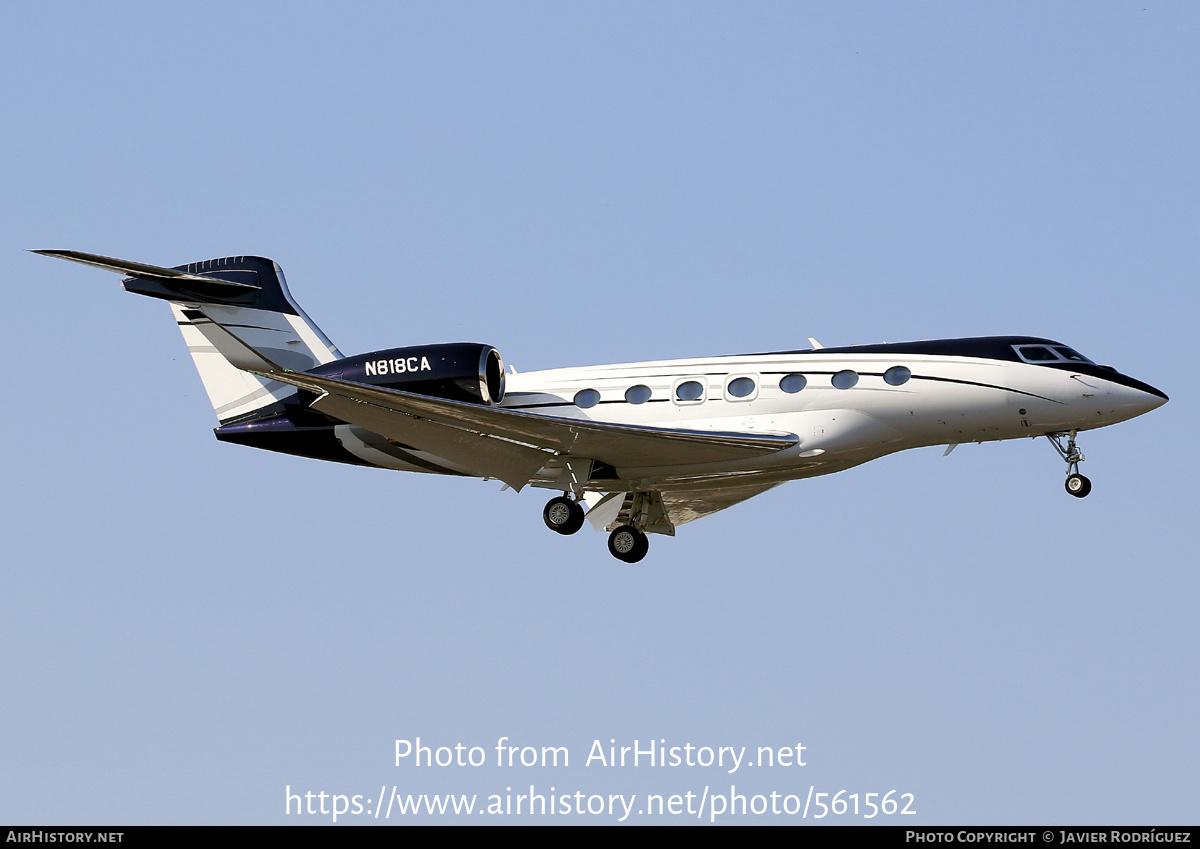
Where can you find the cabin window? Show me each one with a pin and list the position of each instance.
(896, 376)
(741, 387)
(793, 383)
(586, 398)
(639, 394)
(689, 390)
(845, 379)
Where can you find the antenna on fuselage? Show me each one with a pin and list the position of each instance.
(816, 345)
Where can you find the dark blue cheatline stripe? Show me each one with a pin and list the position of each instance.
(572, 404)
(1107, 373)
(985, 386)
(980, 347)
(808, 373)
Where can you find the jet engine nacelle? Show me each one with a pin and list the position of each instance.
(462, 371)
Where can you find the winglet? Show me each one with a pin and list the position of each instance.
(816, 345)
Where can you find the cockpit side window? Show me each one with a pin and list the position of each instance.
(1036, 354)
(1071, 354)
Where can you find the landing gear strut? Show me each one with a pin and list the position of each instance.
(638, 513)
(562, 515)
(1077, 484)
(628, 543)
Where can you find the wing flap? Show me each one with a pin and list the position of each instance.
(486, 455)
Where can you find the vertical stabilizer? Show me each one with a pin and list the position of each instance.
(229, 310)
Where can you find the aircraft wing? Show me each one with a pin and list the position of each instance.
(688, 505)
(665, 510)
(513, 445)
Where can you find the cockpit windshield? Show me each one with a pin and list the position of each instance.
(1071, 354)
(1037, 354)
(1049, 354)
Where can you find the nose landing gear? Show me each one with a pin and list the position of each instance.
(1077, 484)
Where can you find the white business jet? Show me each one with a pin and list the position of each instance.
(637, 448)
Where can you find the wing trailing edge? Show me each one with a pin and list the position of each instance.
(513, 445)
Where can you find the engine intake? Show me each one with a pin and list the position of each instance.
(461, 371)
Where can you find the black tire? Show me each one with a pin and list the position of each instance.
(562, 515)
(643, 546)
(1078, 485)
(627, 543)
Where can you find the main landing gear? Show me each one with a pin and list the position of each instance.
(628, 543)
(562, 515)
(1077, 484)
(565, 516)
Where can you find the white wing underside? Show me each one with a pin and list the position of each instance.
(688, 505)
(667, 509)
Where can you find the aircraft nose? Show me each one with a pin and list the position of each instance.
(1149, 401)
(1135, 397)
(1153, 398)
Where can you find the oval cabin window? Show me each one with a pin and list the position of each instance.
(845, 379)
(586, 398)
(896, 376)
(740, 387)
(690, 390)
(793, 383)
(639, 394)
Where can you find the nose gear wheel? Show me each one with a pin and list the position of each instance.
(1077, 485)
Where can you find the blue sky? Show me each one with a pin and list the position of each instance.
(190, 627)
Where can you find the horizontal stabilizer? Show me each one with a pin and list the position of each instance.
(149, 272)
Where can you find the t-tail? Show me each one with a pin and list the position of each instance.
(234, 313)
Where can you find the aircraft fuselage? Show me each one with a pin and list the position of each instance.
(845, 405)
(645, 447)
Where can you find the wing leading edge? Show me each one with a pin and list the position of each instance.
(513, 445)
